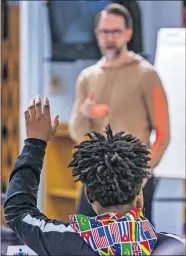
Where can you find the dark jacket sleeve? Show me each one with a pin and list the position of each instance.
(44, 236)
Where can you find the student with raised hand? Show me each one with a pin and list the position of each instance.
(112, 168)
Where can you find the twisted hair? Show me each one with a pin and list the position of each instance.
(112, 167)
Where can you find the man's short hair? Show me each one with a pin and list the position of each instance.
(112, 167)
(118, 10)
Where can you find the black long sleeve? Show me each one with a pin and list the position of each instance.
(42, 235)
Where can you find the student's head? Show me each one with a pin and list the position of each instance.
(112, 168)
(113, 30)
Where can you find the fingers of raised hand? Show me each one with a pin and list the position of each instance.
(38, 109)
(31, 109)
(55, 123)
(34, 110)
(46, 108)
(27, 116)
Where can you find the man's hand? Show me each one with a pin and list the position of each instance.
(38, 122)
(92, 110)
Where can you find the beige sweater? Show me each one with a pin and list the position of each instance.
(136, 100)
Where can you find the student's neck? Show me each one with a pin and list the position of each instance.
(116, 209)
(119, 61)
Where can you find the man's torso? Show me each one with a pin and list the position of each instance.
(120, 88)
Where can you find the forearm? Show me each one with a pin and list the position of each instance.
(159, 148)
(156, 105)
(161, 125)
(24, 183)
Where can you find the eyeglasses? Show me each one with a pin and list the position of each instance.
(113, 32)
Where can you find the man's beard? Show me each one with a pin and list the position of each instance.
(115, 54)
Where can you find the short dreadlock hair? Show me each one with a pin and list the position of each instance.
(112, 167)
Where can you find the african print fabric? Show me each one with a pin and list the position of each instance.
(114, 234)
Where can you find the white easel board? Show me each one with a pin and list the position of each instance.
(170, 64)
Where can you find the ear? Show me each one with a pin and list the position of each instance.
(140, 192)
(86, 194)
(139, 199)
(128, 34)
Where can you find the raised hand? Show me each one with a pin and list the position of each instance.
(38, 121)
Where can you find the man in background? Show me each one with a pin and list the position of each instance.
(123, 90)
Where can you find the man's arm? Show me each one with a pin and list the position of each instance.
(155, 101)
(79, 124)
(42, 235)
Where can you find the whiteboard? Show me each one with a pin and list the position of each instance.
(170, 64)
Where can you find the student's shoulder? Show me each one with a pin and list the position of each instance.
(169, 243)
(171, 237)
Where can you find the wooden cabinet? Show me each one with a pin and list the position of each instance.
(61, 192)
(9, 92)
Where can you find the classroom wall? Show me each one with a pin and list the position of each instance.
(36, 72)
(156, 15)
